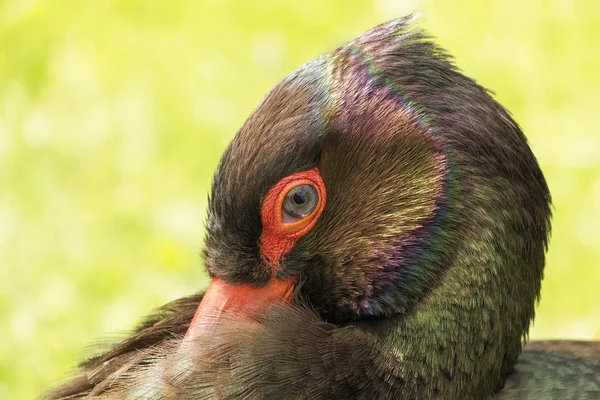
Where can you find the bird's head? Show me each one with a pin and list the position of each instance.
(377, 181)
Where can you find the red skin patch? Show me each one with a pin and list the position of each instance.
(278, 238)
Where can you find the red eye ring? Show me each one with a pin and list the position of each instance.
(278, 237)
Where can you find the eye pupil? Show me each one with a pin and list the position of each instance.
(299, 202)
(299, 198)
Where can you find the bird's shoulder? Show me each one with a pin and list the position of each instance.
(557, 369)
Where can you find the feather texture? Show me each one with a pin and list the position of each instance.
(293, 353)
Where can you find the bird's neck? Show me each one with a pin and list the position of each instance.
(457, 341)
(465, 334)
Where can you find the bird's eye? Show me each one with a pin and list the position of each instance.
(293, 205)
(290, 209)
(298, 203)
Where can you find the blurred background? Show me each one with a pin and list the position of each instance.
(113, 116)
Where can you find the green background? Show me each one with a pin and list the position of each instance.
(113, 116)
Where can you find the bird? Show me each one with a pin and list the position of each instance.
(376, 229)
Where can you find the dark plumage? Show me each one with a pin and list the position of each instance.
(417, 278)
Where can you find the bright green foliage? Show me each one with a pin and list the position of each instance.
(113, 115)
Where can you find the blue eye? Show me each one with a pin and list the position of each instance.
(299, 202)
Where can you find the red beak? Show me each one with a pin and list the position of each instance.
(239, 300)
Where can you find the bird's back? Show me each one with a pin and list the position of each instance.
(555, 369)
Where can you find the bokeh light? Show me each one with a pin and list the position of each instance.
(113, 116)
